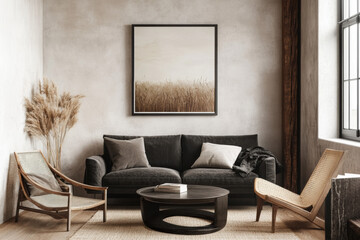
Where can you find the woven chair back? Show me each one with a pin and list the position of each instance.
(35, 167)
(33, 163)
(321, 176)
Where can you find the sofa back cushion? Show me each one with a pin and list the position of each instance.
(191, 145)
(161, 151)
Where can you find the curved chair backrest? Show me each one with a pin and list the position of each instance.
(319, 182)
(34, 166)
(33, 163)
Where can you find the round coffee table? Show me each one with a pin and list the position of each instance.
(153, 218)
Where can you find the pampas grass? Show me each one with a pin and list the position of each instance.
(49, 116)
(179, 96)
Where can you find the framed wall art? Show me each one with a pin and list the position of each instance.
(174, 69)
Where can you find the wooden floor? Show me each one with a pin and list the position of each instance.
(42, 227)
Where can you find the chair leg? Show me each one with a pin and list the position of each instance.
(69, 214)
(104, 212)
(274, 211)
(17, 207)
(319, 222)
(260, 203)
(105, 205)
(68, 220)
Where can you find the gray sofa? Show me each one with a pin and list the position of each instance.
(171, 158)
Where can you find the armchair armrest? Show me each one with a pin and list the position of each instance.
(95, 170)
(88, 188)
(267, 169)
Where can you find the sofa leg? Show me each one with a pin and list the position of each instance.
(260, 203)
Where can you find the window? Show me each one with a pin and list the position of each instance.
(350, 86)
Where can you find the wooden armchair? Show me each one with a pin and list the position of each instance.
(43, 189)
(308, 203)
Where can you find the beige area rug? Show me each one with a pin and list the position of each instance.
(127, 224)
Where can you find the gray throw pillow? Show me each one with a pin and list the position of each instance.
(217, 156)
(45, 180)
(126, 154)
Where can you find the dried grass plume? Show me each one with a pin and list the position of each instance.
(49, 116)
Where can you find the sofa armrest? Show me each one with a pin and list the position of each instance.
(95, 170)
(267, 169)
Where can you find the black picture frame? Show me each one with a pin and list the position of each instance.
(149, 47)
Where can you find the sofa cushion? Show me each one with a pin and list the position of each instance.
(140, 177)
(191, 145)
(161, 151)
(217, 177)
(126, 153)
(217, 156)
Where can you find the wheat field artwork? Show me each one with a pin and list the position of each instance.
(174, 69)
(174, 97)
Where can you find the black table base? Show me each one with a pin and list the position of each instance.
(153, 217)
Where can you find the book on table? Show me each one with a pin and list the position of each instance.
(171, 188)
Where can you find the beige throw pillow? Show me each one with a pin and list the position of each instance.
(126, 154)
(217, 156)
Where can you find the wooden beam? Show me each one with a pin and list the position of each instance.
(291, 91)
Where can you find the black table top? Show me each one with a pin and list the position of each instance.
(194, 192)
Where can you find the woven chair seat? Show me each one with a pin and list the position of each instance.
(266, 188)
(57, 201)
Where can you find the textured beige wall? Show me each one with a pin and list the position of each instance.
(315, 30)
(311, 71)
(21, 45)
(87, 50)
(310, 150)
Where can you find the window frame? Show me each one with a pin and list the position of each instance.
(352, 134)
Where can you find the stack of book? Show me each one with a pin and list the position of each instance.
(171, 188)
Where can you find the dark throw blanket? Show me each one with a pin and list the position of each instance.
(250, 160)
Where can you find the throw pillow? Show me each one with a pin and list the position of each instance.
(217, 156)
(126, 154)
(46, 180)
